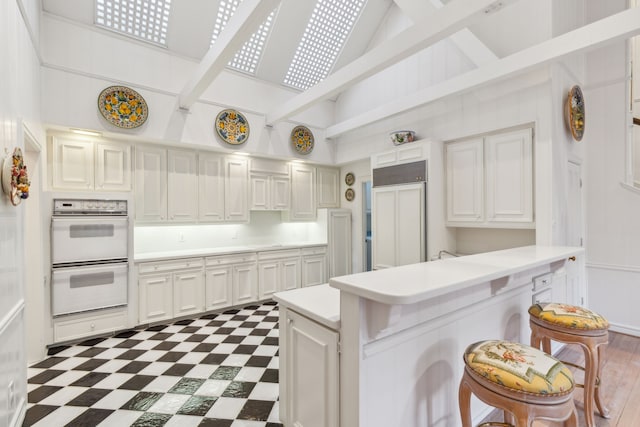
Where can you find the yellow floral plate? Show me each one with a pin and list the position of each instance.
(123, 107)
(232, 126)
(302, 139)
(575, 113)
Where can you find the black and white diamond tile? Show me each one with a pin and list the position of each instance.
(220, 370)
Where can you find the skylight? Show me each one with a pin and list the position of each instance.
(143, 19)
(327, 30)
(247, 58)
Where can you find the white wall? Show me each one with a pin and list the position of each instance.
(19, 104)
(362, 172)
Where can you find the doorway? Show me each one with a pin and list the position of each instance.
(366, 225)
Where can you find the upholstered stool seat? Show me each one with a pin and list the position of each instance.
(572, 324)
(523, 381)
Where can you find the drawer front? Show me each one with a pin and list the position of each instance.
(288, 253)
(228, 260)
(181, 264)
(70, 329)
(316, 250)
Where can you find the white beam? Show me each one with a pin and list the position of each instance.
(468, 43)
(613, 28)
(453, 17)
(242, 24)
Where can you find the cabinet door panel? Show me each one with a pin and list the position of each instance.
(236, 190)
(151, 184)
(188, 293)
(218, 285)
(73, 164)
(182, 185)
(303, 194)
(211, 188)
(268, 278)
(339, 243)
(465, 181)
(383, 231)
(113, 167)
(327, 188)
(410, 226)
(314, 269)
(260, 199)
(155, 298)
(290, 277)
(245, 286)
(280, 192)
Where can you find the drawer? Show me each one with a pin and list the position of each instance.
(230, 259)
(316, 250)
(287, 253)
(180, 264)
(71, 328)
(542, 282)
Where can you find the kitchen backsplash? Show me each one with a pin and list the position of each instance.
(264, 228)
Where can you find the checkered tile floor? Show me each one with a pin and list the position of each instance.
(220, 370)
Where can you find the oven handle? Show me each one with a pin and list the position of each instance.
(88, 268)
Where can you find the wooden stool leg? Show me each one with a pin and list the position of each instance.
(572, 421)
(590, 375)
(604, 412)
(508, 418)
(464, 401)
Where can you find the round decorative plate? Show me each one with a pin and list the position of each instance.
(302, 139)
(123, 107)
(350, 194)
(15, 181)
(349, 179)
(574, 112)
(232, 126)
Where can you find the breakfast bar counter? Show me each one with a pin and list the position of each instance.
(393, 357)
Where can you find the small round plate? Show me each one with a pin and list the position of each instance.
(302, 139)
(350, 194)
(232, 126)
(349, 179)
(123, 107)
(575, 112)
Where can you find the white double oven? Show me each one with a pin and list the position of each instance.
(89, 255)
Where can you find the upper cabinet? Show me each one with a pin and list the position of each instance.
(210, 187)
(490, 181)
(327, 187)
(270, 185)
(236, 190)
(151, 184)
(85, 165)
(303, 194)
(182, 185)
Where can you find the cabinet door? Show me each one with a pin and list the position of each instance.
(210, 188)
(383, 233)
(465, 181)
(188, 293)
(218, 285)
(260, 199)
(339, 242)
(303, 193)
(245, 286)
(72, 164)
(328, 187)
(312, 358)
(289, 274)
(151, 184)
(268, 278)
(182, 183)
(156, 297)
(113, 166)
(280, 192)
(509, 170)
(411, 226)
(314, 269)
(236, 190)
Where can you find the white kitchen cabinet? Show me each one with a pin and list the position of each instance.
(314, 265)
(182, 186)
(490, 181)
(339, 241)
(269, 192)
(398, 225)
(113, 166)
(309, 356)
(151, 184)
(210, 187)
(218, 287)
(87, 324)
(236, 190)
(303, 193)
(465, 181)
(328, 187)
(230, 280)
(278, 271)
(245, 283)
(169, 289)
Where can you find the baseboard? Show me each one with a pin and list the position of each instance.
(625, 329)
(18, 417)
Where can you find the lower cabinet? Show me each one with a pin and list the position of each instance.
(230, 280)
(308, 355)
(170, 289)
(278, 271)
(314, 266)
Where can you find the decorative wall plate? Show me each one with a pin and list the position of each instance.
(302, 139)
(575, 113)
(15, 181)
(349, 194)
(232, 127)
(349, 179)
(123, 107)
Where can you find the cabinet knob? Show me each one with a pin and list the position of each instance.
(572, 258)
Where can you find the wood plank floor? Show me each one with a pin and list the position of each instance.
(620, 382)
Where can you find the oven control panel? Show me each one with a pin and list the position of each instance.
(89, 207)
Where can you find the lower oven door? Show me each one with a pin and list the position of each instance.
(83, 288)
(81, 239)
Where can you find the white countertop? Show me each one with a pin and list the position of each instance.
(187, 253)
(418, 282)
(320, 303)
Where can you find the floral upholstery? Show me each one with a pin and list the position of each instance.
(519, 367)
(569, 316)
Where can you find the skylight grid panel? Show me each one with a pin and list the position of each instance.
(143, 19)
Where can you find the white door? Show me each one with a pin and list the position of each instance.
(465, 181)
(236, 190)
(268, 278)
(280, 192)
(289, 274)
(182, 183)
(210, 188)
(156, 297)
(151, 184)
(383, 230)
(217, 287)
(245, 287)
(72, 164)
(303, 192)
(188, 293)
(574, 205)
(339, 242)
(327, 187)
(314, 269)
(113, 166)
(260, 199)
(410, 225)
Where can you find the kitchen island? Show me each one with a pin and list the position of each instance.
(384, 348)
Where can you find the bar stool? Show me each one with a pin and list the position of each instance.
(574, 325)
(524, 382)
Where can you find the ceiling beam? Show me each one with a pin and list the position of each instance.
(442, 23)
(468, 43)
(592, 36)
(242, 24)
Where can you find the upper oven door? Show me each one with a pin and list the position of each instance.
(82, 239)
